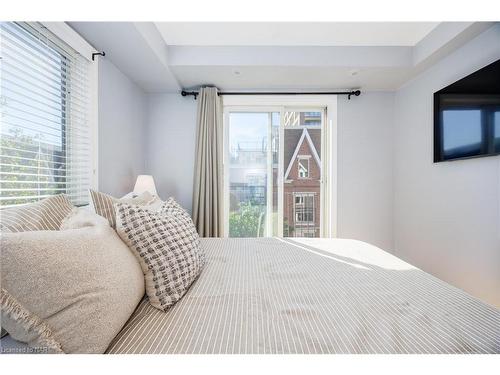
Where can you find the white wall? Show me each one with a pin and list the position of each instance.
(121, 130)
(171, 133)
(447, 215)
(365, 161)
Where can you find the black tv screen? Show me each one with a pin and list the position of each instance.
(467, 116)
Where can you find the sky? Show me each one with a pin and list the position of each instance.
(247, 127)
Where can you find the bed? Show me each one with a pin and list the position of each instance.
(272, 295)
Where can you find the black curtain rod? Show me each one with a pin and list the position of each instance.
(102, 53)
(348, 93)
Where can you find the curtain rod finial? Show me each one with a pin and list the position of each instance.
(186, 93)
(354, 92)
(102, 53)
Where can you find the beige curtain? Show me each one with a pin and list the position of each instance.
(208, 189)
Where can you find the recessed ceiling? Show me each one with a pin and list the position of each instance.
(294, 33)
(165, 57)
(283, 78)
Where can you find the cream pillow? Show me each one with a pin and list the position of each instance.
(68, 291)
(103, 204)
(46, 214)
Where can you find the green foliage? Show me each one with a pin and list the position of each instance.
(25, 170)
(248, 221)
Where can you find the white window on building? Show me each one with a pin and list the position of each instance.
(304, 208)
(303, 165)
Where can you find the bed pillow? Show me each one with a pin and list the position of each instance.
(167, 247)
(81, 217)
(68, 291)
(103, 204)
(46, 214)
(172, 207)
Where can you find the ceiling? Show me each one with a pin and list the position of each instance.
(294, 33)
(284, 78)
(167, 57)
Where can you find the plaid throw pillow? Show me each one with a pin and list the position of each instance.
(174, 208)
(167, 247)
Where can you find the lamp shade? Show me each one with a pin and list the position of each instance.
(145, 183)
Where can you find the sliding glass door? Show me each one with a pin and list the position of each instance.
(273, 171)
(251, 173)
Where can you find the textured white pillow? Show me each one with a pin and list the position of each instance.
(172, 207)
(80, 218)
(154, 205)
(167, 247)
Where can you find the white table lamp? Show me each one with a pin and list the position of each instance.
(145, 183)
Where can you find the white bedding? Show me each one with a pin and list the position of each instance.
(312, 296)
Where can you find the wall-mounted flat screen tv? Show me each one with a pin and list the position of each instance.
(467, 116)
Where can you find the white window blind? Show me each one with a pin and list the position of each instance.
(46, 146)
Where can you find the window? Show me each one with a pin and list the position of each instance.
(303, 165)
(46, 145)
(304, 208)
(248, 170)
(273, 169)
(311, 118)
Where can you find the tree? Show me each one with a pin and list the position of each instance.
(247, 221)
(29, 168)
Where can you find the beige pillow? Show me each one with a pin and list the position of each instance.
(46, 214)
(104, 203)
(69, 291)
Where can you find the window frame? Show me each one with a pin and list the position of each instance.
(308, 168)
(329, 160)
(303, 196)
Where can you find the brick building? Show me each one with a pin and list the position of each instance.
(302, 183)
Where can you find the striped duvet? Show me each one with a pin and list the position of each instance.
(312, 296)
